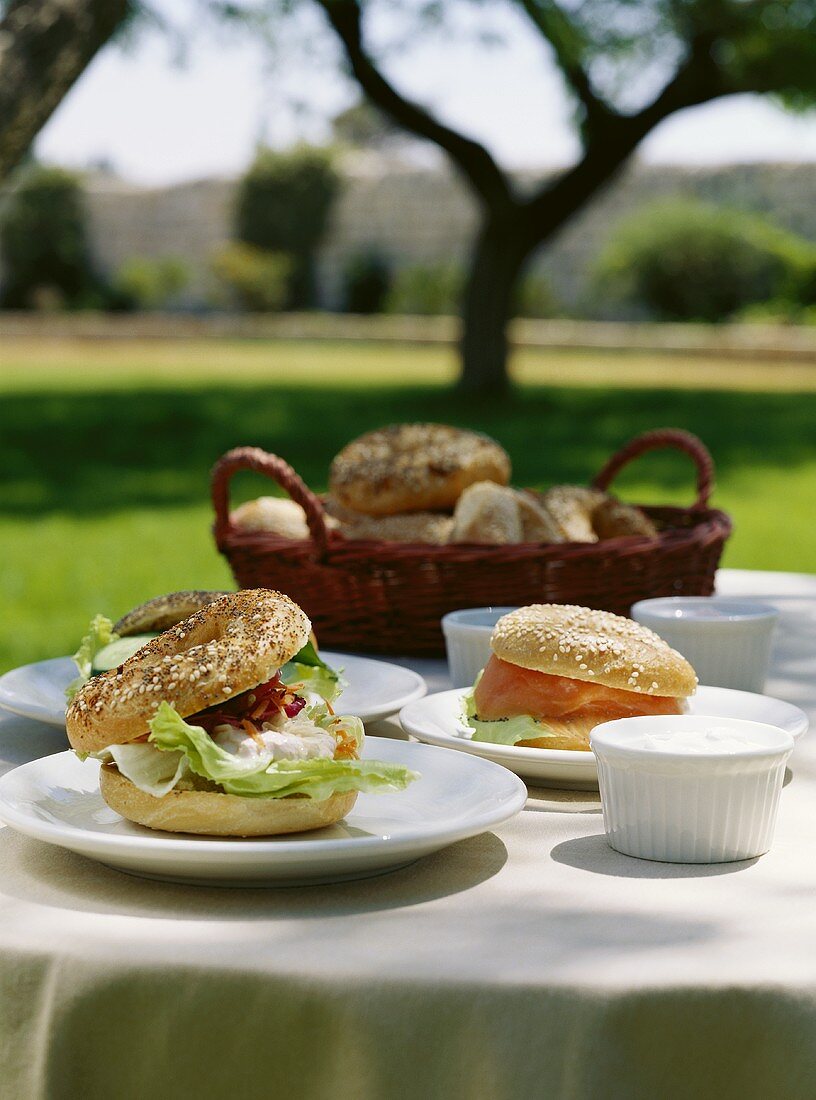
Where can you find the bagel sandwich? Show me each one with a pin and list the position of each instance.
(556, 671)
(107, 645)
(197, 732)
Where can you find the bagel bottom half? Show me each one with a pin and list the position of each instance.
(215, 813)
(572, 733)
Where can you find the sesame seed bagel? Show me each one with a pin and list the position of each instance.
(162, 612)
(583, 644)
(215, 813)
(231, 645)
(414, 468)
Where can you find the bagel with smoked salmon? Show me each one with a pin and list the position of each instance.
(556, 671)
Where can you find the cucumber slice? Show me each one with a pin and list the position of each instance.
(116, 653)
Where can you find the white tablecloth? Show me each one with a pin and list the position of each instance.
(533, 961)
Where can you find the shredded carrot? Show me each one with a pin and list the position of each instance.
(346, 748)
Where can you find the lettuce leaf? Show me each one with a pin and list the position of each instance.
(318, 779)
(308, 668)
(100, 633)
(503, 731)
(509, 731)
(148, 769)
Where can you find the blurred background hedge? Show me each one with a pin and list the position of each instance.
(283, 205)
(44, 244)
(676, 259)
(682, 260)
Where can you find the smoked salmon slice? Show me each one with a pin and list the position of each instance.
(506, 690)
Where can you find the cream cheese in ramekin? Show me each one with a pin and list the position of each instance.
(689, 788)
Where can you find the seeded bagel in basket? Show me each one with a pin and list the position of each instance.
(414, 468)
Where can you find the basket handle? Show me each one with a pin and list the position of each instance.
(253, 458)
(657, 440)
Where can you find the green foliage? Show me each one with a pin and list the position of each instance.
(436, 290)
(366, 282)
(151, 284)
(283, 204)
(775, 311)
(766, 46)
(684, 260)
(254, 279)
(536, 298)
(43, 242)
(432, 289)
(362, 126)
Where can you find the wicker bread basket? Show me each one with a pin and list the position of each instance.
(387, 597)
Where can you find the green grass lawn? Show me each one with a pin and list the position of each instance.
(105, 451)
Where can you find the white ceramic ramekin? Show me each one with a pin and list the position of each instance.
(679, 807)
(727, 642)
(467, 640)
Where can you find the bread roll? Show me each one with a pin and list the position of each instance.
(612, 519)
(487, 513)
(426, 527)
(571, 507)
(536, 522)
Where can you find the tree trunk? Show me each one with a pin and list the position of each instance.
(497, 259)
(506, 241)
(44, 46)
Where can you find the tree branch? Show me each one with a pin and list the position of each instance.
(554, 24)
(697, 80)
(44, 46)
(472, 160)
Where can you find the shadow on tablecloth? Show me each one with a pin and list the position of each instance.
(46, 875)
(592, 853)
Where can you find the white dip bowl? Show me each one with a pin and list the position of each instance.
(690, 789)
(727, 642)
(467, 641)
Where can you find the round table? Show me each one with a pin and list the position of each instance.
(533, 961)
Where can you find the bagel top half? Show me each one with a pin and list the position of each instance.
(162, 612)
(596, 646)
(231, 645)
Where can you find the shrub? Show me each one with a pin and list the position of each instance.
(283, 204)
(803, 290)
(366, 282)
(253, 278)
(685, 260)
(535, 298)
(143, 283)
(426, 289)
(44, 244)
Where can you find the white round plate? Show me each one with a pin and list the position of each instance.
(376, 688)
(57, 799)
(438, 720)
